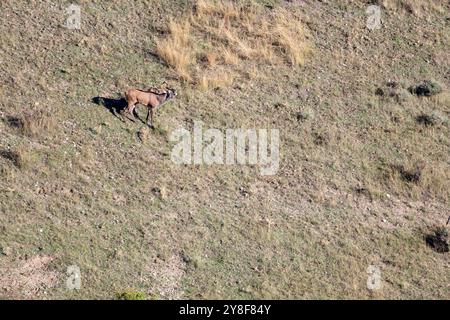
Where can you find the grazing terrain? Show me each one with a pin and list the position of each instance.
(363, 186)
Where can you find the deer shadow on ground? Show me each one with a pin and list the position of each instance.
(115, 106)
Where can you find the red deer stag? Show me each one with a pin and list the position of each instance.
(152, 98)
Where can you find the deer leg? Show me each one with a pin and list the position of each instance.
(129, 109)
(150, 113)
(122, 114)
(135, 114)
(132, 111)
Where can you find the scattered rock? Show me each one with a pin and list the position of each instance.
(143, 134)
(160, 192)
(167, 276)
(97, 129)
(243, 192)
(6, 251)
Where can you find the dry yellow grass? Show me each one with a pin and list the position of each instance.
(204, 9)
(174, 50)
(215, 80)
(210, 58)
(296, 51)
(229, 57)
(34, 123)
(242, 31)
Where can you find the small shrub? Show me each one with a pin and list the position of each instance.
(131, 295)
(409, 174)
(431, 119)
(427, 120)
(394, 91)
(427, 88)
(304, 115)
(439, 240)
(321, 138)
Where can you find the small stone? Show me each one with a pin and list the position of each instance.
(143, 134)
(6, 251)
(97, 129)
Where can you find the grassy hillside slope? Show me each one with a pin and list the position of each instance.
(362, 180)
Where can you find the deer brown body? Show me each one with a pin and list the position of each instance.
(152, 98)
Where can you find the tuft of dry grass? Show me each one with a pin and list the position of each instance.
(33, 123)
(20, 157)
(229, 57)
(174, 50)
(295, 51)
(244, 32)
(215, 80)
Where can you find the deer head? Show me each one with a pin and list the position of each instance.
(171, 93)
